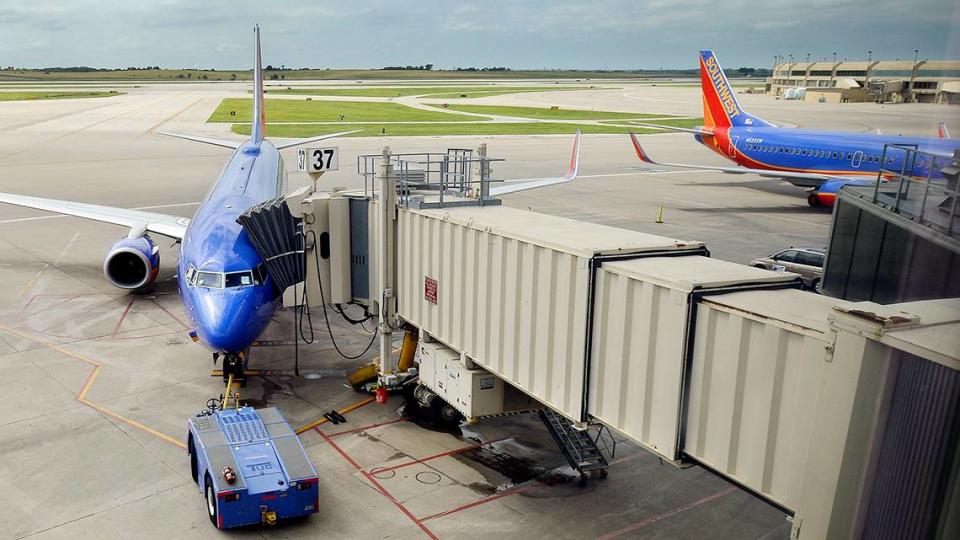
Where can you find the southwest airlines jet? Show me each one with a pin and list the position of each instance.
(824, 161)
(224, 288)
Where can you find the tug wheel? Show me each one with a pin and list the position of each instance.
(211, 497)
(191, 448)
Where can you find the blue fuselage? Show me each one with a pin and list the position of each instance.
(827, 152)
(227, 297)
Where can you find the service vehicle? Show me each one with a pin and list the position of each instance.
(808, 262)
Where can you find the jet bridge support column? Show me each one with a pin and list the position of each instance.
(386, 255)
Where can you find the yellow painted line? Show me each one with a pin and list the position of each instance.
(81, 397)
(32, 280)
(344, 410)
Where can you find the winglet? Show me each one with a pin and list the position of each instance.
(522, 185)
(574, 158)
(942, 131)
(639, 149)
(258, 120)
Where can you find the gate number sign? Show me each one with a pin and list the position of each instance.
(430, 290)
(317, 160)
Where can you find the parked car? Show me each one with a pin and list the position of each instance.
(808, 262)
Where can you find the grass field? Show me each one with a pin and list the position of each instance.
(428, 129)
(542, 113)
(442, 92)
(30, 96)
(287, 110)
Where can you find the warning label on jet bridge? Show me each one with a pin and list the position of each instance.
(430, 289)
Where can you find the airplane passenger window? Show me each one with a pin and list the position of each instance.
(212, 280)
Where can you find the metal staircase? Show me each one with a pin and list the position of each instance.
(577, 446)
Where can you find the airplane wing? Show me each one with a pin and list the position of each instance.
(298, 142)
(695, 131)
(172, 226)
(801, 179)
(523, 185)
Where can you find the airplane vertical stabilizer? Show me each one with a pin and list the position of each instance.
(720, 105)
(258, 120)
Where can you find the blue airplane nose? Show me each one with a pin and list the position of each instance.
(225, 325)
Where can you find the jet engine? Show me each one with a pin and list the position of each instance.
(132, 263)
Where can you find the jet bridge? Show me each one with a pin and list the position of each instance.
(783, 392)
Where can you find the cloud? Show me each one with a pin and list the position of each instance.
(533, 33)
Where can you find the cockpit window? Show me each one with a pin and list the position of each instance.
(219, 280)
(212, 280)
(239, 279)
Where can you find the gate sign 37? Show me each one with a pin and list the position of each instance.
(317, 160)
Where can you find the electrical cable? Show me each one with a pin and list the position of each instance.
(326, 315)
(367, 316)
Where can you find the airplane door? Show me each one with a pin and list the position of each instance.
(732, 150)
(857, 158)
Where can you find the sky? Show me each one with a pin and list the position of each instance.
(535, 34)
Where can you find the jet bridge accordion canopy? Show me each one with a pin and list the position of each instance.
(278, 238)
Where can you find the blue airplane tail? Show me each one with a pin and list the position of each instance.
(258, 123)
(720, 105)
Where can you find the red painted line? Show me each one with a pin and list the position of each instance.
(484, 500)
(624, 459)
(122, 317)
(383, 491)
(365, 428)
(167, 311)
(665, 515)
(440, 455)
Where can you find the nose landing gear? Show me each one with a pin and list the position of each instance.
(234, 365)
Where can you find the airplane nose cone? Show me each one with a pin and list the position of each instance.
(224, 325)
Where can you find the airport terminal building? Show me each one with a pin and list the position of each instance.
(926, 81)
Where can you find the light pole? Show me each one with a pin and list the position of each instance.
(869, 56)
(834, 57)
(916, 53)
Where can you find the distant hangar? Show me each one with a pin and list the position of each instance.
(897, 81)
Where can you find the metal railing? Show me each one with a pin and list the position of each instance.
(458, 174)
(920, 186)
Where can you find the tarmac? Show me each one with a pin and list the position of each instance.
(96, 385)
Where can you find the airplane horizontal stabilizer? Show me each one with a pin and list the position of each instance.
(696, 130)
(298, 142)
(204, 140)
